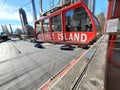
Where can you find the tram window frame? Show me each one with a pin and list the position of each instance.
(56, 23)
(47, 28)
(96, 23)
(38, 28)
(79, 21)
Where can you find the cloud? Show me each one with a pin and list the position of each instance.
(9, 12)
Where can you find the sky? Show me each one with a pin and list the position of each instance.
(9, 11)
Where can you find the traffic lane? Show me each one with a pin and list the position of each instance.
(21, 71)
(7, 51)
(32, 69)
(25, 47)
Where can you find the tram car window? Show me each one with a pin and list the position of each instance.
(56, 24)
(98, 28)
(38, 28)
(78, 20)
(46, 25)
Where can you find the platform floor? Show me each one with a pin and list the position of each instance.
(24, 67)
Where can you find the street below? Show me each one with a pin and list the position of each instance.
(25, 67)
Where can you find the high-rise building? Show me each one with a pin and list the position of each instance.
(5, 30)
(11, 29)
(90, 4)
(23, 19)
(34, 10)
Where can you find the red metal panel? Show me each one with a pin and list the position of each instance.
(110, 7)
(90, 35)
(112, 14)
(116, 13)
(117, 9)
(79, 37)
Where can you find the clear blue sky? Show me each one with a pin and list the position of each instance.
(9, 10)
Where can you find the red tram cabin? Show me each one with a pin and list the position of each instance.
(73, 24)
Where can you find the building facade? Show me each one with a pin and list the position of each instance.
(5, 30)
(90, 4)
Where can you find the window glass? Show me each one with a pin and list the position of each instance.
(56, 23)
(46, 25)
(96, 23)
(38, 28)
(78, 20)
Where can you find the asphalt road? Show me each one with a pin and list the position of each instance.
(24, 67)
